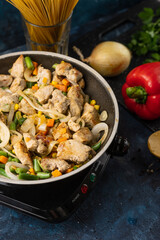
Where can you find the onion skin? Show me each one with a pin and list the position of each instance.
(109, 58)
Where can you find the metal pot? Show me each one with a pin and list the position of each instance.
(96, 87)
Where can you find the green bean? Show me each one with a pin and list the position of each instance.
(12, 126)
(20, 170)
(3, 153)
(3, 173)
(29, 63)
(20, 98)
(17, 116)
(2, 165)
(11, 159)
(96, 146)
(30, 84)
(43, 175)
(36, 165)
(26, 176)
(21, 120)
(55, 65)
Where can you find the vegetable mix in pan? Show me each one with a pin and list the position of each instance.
(48, 125)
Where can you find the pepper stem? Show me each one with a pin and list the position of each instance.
(138, 93)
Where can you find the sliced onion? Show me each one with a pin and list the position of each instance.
(28, 76)
(66, 119)
(17, 138)
(42, 127)
(15, 164)
(50, 147)
(81, 122)
(98, 128)
(4, 134)
(5, 150)
(51, 112)
(11, 114)
(103, 116)
(32, 130)
(27, 125)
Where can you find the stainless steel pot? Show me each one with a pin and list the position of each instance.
(96, 87)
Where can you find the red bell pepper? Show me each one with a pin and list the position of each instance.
(141, 91)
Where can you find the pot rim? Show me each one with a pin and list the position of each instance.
(105, 147)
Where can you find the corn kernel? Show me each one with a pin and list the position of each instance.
(93, 102)
(31, 170)
(36, 84)
(13, 151)
(97, 107)
(62, 61)
(44, 80)
(39, 113)
(54, 83)
(68, 89)
(16, 106)
(54, 155)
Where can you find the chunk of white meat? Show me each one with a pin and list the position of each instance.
(30, 141)
(74, 75)
(50, 164)
(18, 84)
(84, 135)
(63, 68)
(5, 80)
(17, 69)
(81, 83)
(62, 131)
(22, 153)
(43, 94)
(56, 78)
(90, 115)
(44, 76)
(42, 148)
(7, 100)
(74, 151)
(59, 101)
(75, 92)
(25, 108)
(75, 108)
(73, 125)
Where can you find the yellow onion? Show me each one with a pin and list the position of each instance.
(108, 58)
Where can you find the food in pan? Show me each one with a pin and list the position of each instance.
(48, 125)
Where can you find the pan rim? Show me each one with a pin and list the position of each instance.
(105, 147)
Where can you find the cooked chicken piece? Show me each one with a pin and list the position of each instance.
(42, 148)
(74, 75)
(17, 69)
(4, 93)
(44, 93)
(30, 141)
(62, 131)
(90, 115)
(8, 99)
(84, 135)
(81, 83)
(76, 93)
(56, 78)
(50, 164)
(18, 84)
(23, 154)
(2, 117)
(74, 151)
(73, 126)
(5, 80)
(44, 76)
(75, 108)
(76, 100)
(63, 68)
(59, 101)
(26, 108)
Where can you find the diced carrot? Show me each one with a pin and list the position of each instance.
(61, 87)
(62, 139)
(44, 80)
(50, 122)
(56, 173)
(27, 139)
(69, 170)
(40, 132)
(35, 71)
(63, 130)
(35, 87)
(35, 64)
(3, 159)
(65, 82)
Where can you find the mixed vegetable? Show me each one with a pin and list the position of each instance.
(48, 125)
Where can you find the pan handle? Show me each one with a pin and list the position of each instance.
(119, 146)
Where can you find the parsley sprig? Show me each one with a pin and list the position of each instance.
(146, 41)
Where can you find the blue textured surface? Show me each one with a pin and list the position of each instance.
(125, 203)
